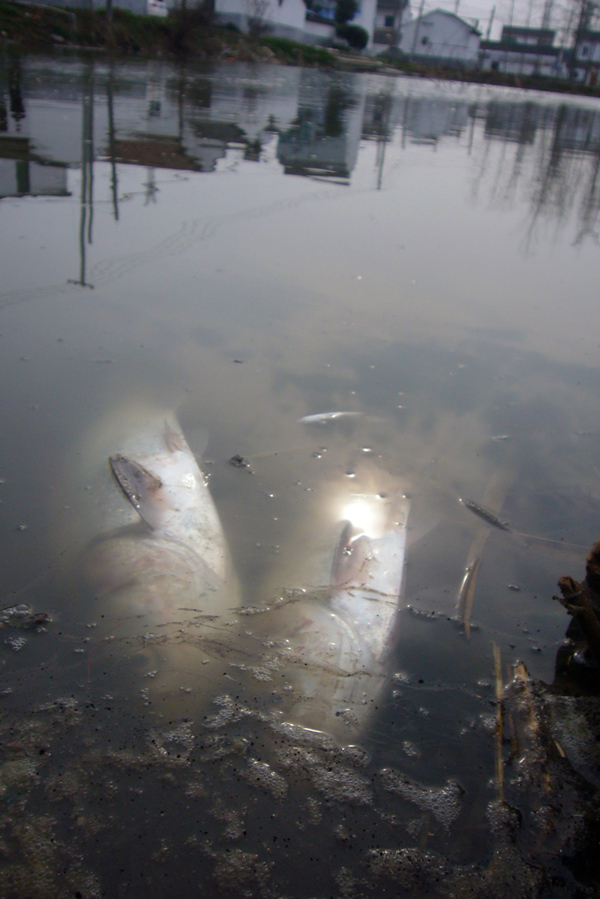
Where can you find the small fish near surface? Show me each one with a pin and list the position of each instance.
(485, 514)
(159, 575)
(321, 418)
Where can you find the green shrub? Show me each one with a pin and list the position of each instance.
(357, 37)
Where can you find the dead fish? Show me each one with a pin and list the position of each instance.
(334, 644)
(366, 580)
(485, 514)
(160, 574)
(321, 418)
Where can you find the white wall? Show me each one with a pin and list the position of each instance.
(514, 63)
(366, 17)
(285, 18)
(441, 36)
(289, 18)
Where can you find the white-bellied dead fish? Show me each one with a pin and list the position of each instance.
(334, 644)
(159, 571)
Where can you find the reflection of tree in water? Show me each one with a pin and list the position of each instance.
(558, 150)
(327, 121)
(568, 172)
(338, 101)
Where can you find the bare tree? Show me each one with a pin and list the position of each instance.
(256, 16)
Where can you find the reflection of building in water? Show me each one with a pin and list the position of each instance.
(244, 110)
(150, 117)
(71, 114)
(513, 121)
(578, 128)
(23, 172)
(426, 120)
(323, 141)
(422, 119)
(573, 127)
(22, 169)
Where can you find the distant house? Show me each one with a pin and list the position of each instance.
(388, 20)
(285, 18)
(585, 63)
(441, 37)
(523, 51)
(310, 22)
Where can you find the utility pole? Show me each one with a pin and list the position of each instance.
(414, 44)
(489, 28)
(547, 15)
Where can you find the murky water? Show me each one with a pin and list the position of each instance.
(250, 246)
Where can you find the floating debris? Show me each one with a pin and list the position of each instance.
(21, 616)
(16, 643)
(239, 462)
(444, 803)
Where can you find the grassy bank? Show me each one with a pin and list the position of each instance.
(191, 34)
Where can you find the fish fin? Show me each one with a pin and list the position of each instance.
(177, 443)
(174, 439)
(350, 554)
(141, 487)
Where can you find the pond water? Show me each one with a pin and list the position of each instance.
(249, 246)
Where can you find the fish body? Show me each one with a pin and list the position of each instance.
(158, 577)
(335, 644)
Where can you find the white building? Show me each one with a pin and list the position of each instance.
(441, 37)
(388, 21)
(285, 18)
(292, 18)
(586, 57)
(524, 51)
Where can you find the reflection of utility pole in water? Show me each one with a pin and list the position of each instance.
(150, 185)
(181, 103)
(87, 167)
(111, 144)
(381, 121)
(472, 116)
(15, 94)
(405, 114)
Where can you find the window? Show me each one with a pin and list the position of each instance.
(388, 22)
(425, 40)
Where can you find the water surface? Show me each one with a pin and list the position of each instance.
(251, 245)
